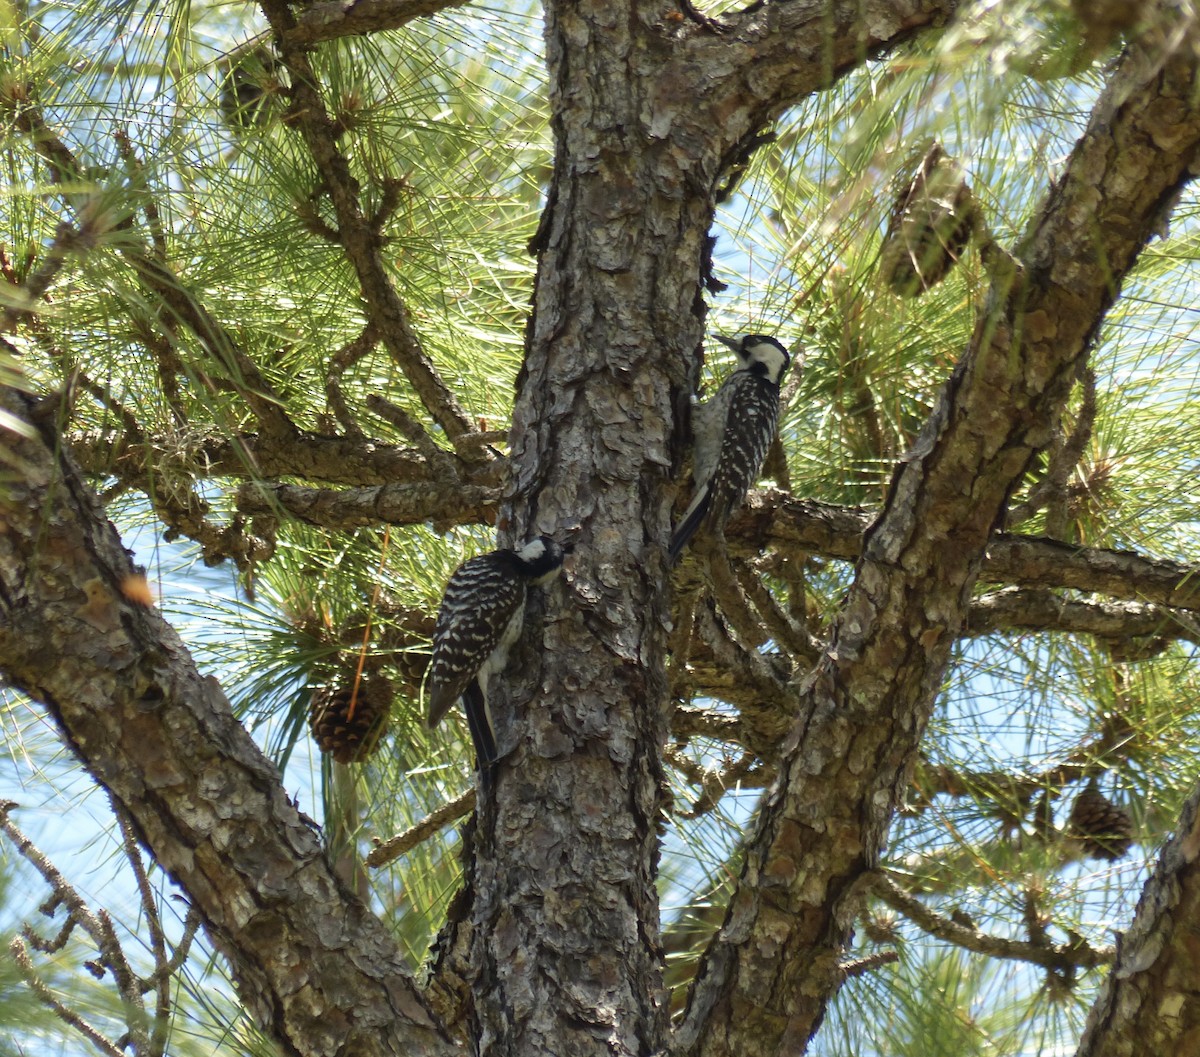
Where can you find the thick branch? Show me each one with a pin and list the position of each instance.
(775, 54)
(773, 519)
(333, 460)
(768, 519)
(864, 708)
(445, 505)
(1149, 1004)
(1039, 609)
(331, 19)
(209, 806)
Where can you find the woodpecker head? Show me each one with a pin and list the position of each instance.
(540, 558)
(760, 354)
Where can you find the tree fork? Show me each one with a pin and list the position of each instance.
(863, 710)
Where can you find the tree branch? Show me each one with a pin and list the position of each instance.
(123, 690)
(358, 235)
(1060, 956)
(20, 955)
(780, 53)
(862, 711)
(99, 928)
(1039, 609)
(311, 456)
(769, 518)
(443, 504)
(330, 19)
(1148, 1004)
(386, 851)
(808, 526)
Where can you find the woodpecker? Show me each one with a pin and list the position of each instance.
(732, 432)
(480, 618)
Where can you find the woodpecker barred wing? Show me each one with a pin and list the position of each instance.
(752, 419)
(478, 604)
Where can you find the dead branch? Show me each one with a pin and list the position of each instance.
(391, 849)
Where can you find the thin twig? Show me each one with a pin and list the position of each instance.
(749, 667)
(137, 175)
(158, 941)
(1048, 955)
(345, 358)
(78, 377)
(21, 956)
(408, 426)
(791, 636)
(1064, 457)
(175, 299)
(64, 894)
(862, 966)
(129, 984)
(714, 782)
(361, 242)
(191, 925)
(728, 595)
(98, 926)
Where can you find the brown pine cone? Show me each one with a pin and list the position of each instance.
(930, 227)
(1104, 829)
(349, 726)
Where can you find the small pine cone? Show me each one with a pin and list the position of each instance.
(350, 733)
(930, 227)
(250, 89)
(881, 927)
(1105, 830)
(1104, 20)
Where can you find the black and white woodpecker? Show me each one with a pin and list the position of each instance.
(482, 612)
(732, 433)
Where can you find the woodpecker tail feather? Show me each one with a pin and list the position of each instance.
(480, 725)
(693, 517)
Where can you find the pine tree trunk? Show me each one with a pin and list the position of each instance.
(565, 862)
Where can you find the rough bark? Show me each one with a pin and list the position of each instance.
(648, 111)
(566, 912)
(651, 108)
(773, 519)
(317, 969)
(768, 974)
(1149, 1005)
(448, 492)
(330, 19)
(311, 456)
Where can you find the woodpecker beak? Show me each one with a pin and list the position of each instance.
(729, 343)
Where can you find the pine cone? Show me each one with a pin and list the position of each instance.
(1105, 830)
(350, 732)
(930, 227)
(250, 89)
(881, 927)
(1105, 20)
